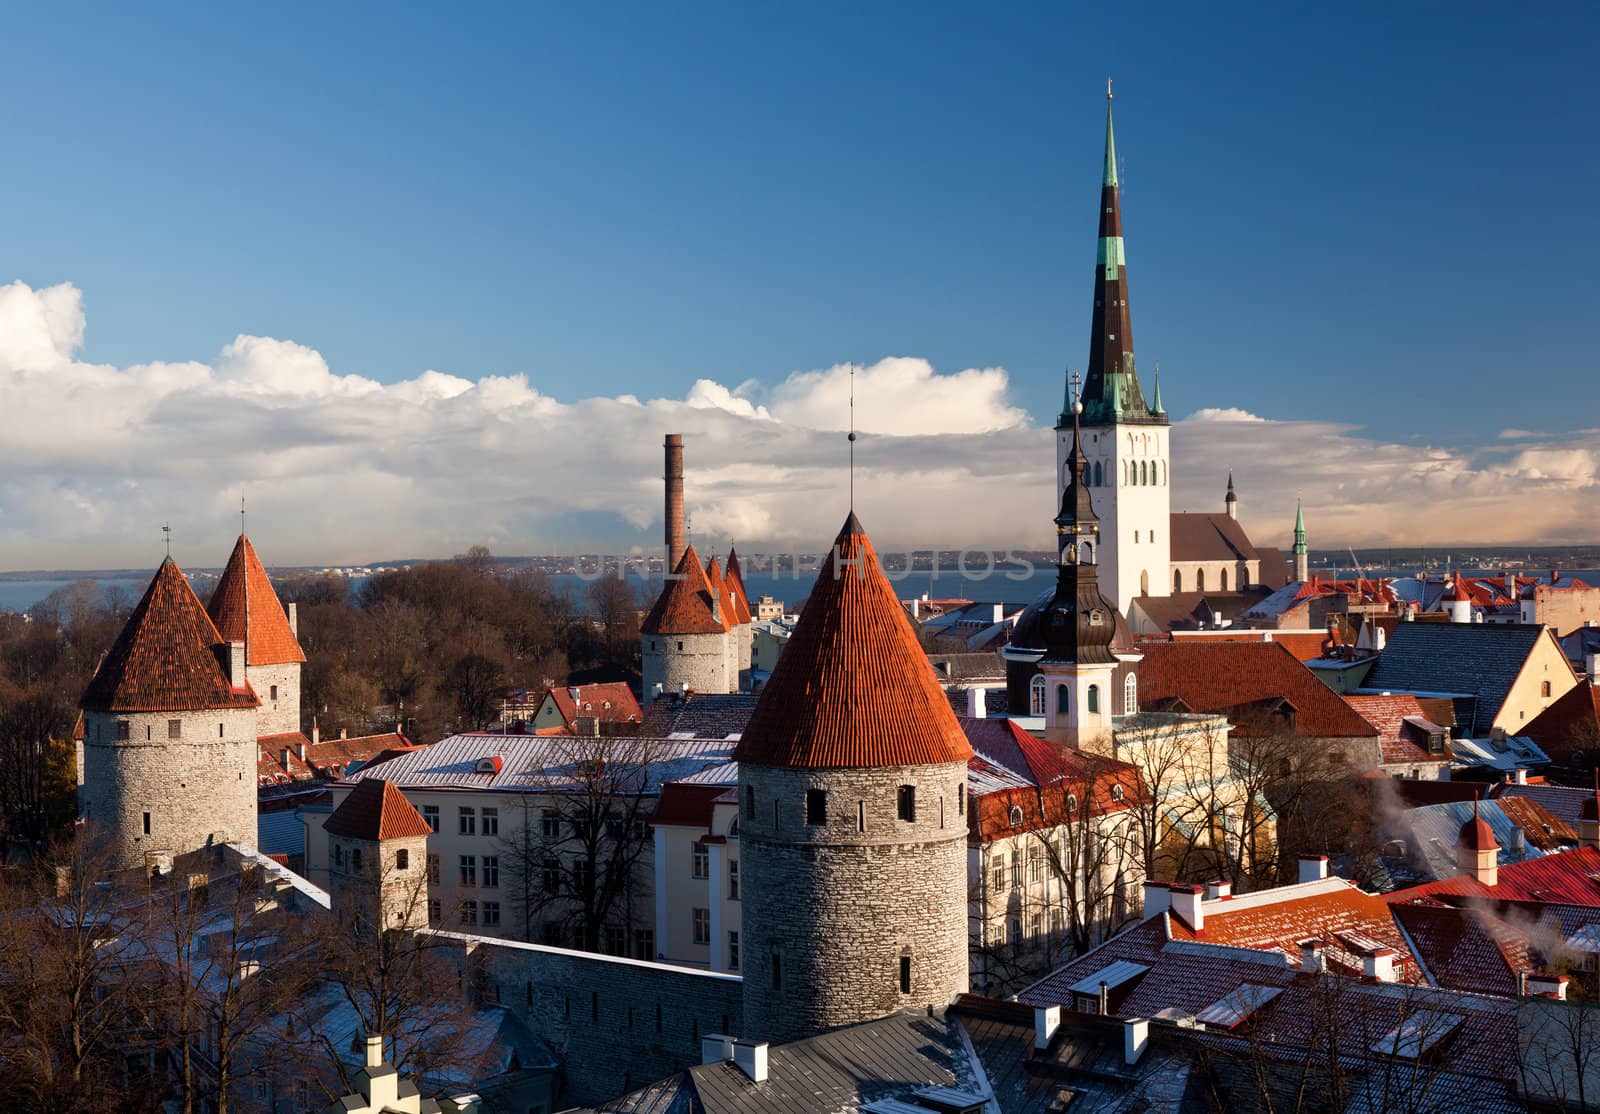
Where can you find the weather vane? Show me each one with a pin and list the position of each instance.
(1108, 88)
(852, 437)
(1077, 397)
(241, 513)
(166, 533)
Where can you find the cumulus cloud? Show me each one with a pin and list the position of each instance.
(343, 468)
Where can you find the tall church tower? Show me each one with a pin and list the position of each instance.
(1126, 440)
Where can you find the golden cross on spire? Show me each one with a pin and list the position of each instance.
(1077, 398)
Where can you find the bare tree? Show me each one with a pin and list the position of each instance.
(1558, 1046)
(36, 766)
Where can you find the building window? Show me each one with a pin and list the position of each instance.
(1016, 816)
(1544, 688)
(999, 875)
(147, 823)
(1099, 476)
(1130, 695)
(961, 800)
(1036, 689)
(1036, 925)
(750, 802)
(338, 855)
(124, 730)
(616, 940)
(402, 859)
(468, 820)
(1200, 580)
(491, 821)
(1063, 700)
(1094, 699)
(702, 926)
(491, 914)
(469, 912)
(733, 951)
(355, 860)
(430, 813)
(1014, 932)
(644, 943)
(435, 912)
(906, 804)
(680, 647)
(491, 871)
(702, 861)
(552, 935)
(905, 974)
(1016, 869)
(433, 869)
(552, 876)
(1072, 802)
(817, 801)
(550, 823)
(733, 879)
(1035, 864)
(174, 728)
(1116, 791)
(469, 870)
(1177, 580)
(273, 695)
(582, 876)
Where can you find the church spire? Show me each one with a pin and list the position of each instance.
(1079, 627)
(1302, 558)
(1111, 391)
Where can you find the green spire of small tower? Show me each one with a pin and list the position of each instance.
(1302, 559)
(1155, 402)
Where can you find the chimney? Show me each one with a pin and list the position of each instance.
(674, 513)
(316, 733)
(1592, 661)
(750, 1057)
(1157, 898)
(1548, 985)
(344, 732)
(1046, 1020)
(1103, 1007)
(1380, 965)
(916, 609)
(978, 702)
(1135, 1039)
(300, 749)
(1519, 842)
(1188, 903)
(1519, 776)
(294, 619)
(236, 664)
(999, 613)
(1311, 955)
(1220, 890)
(1313, 868)
(715, 1048)
(374, 1050)
(283, 757)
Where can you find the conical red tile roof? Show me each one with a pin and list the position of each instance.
(735, 578)
(853, 688)
(167, 658)
(728, 598)
(376, 809)
(246, 609)
(684, 606)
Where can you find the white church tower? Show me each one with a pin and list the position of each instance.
(1125, 441)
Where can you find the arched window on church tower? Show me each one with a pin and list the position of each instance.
(1097, 477)
(1087, 552)
(1094, 700)
(1224, 580)
(1036, 695)
(1063, 700)
(1144, 476)
(1130, 695)
(1163, 473)
(1199, 580)
(1177, 580)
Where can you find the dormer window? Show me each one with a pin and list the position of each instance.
(1016, 816)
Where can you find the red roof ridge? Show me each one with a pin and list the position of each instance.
(684, 605)
(245, 609)
(735, 578)
(168, 656)
(853, 687)
(376, 809)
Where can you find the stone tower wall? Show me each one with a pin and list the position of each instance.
(840, 906)
(283, 714)
(198, 788)
(398, 895)
(744, 639)
(703, 663)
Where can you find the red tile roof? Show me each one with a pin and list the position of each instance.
(853, 687)
(1304, 645)
(1464, 949)
(246, 609)
(1571, 723)
(609, 703)
(684, 606)
(376, 809)
(728, 607)
(686, 805)
(1568, 878)
(1403, 726)
(168, 657)
(741, 597)
(1215, 677)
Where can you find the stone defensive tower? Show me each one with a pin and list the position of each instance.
(853, 829)
(169, 746)
(687, 639)
(378, 851)
(246, 609)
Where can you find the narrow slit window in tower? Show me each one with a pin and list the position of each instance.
(147, 823)
(816, 806)
(905, 974)
(906, 803)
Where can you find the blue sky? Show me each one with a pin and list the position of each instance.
(1373, 214)
(1373, 227)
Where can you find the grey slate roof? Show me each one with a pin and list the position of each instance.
(1482, 659)
(698, 715)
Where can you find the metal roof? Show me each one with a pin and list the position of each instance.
(1239, 1005)
(1113, 975)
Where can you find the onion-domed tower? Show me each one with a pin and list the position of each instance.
(852, 783)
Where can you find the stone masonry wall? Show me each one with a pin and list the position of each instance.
(615, 1023)
(199, 788)
(839, 906)
(282, 715)
(702, 664)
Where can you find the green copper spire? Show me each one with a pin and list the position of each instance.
(1155, 402)
(1110, 178)
(1299, 528)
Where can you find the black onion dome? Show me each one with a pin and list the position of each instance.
(1029, 633)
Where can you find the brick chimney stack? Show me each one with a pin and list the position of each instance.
(674, 516)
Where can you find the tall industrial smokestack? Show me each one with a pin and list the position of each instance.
(674, 478)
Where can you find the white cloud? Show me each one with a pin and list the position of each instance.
(342, 468)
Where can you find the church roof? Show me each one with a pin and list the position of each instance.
(246, 609)
(684, 606)
(853, 687)
(1209, 537)
(1239, 679)
(167, 658)
(376, 809)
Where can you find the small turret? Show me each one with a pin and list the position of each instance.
(1457, 600)
(1230, 502)
(1302, 556)
(1477, 851)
